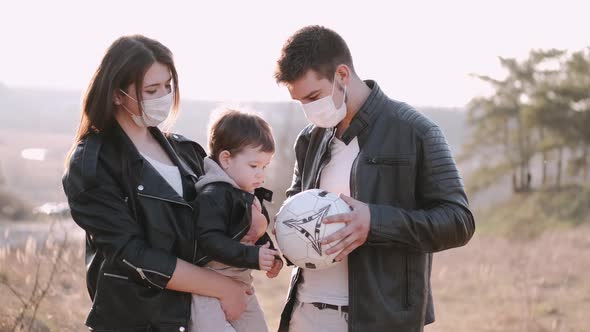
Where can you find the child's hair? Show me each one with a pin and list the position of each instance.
(234, 131)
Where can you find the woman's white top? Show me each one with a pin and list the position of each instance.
(170, 173)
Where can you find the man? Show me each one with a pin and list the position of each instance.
(407, 199)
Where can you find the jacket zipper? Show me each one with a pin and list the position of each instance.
(116, 276)
(353, 189)
(406, 261)
(388, 161)
(195, 250)
(240, 232)
(165, 200)
(143, 276)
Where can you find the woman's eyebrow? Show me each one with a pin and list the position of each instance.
(154, 84)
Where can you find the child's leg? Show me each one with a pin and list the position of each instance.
(207, 315)
(252, 319)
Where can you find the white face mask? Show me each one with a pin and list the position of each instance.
(323, 112)
(155, 111)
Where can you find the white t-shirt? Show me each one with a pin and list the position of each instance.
(170, 173)
(331, 285)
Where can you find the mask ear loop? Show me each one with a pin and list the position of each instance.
(125, 107)
(127, 110)
(333, 85)
(125, 93)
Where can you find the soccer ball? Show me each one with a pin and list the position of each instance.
(299, 228)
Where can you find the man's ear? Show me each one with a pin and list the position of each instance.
(224, 159)
(344, 73)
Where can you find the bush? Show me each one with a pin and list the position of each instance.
(13, 207)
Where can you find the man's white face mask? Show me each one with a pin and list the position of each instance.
(323, 112)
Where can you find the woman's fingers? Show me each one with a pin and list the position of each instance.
(248, 289)
(233, 302)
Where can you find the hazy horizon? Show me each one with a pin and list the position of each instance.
(80, 92)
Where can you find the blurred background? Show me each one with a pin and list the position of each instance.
(508, 82)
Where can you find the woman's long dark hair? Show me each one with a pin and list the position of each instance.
(126, 61)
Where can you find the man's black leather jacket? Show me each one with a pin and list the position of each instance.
(407, 175)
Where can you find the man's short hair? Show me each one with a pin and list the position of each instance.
(313, 47)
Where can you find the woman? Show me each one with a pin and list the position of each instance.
(131, 188)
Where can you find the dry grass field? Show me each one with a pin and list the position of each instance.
(492, 284)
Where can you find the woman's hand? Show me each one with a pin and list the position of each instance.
(232, 294)
(233, 301)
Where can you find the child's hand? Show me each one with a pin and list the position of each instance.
(266, 257)
(276, 268)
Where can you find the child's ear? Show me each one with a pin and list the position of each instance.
(224, 157)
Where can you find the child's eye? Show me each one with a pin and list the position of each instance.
(253, 166)
(151, 92)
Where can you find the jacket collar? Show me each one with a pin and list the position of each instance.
(185, 171)
(366, 114)
(320, 138)
(214, 173)
(150, 182)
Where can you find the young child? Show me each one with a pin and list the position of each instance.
(232, 221)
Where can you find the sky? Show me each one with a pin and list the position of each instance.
(421, 52)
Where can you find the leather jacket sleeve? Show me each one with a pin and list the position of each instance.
(215, 215)
(443, 219)
(98, 206)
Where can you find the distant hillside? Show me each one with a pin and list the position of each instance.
(39, 109)
(57, 111)
(41, 118)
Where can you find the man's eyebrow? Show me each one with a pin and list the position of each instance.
(311, 94)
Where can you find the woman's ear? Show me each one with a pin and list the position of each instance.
(117, 98)
(224, 159)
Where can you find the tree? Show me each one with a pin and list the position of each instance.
(541, 107)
